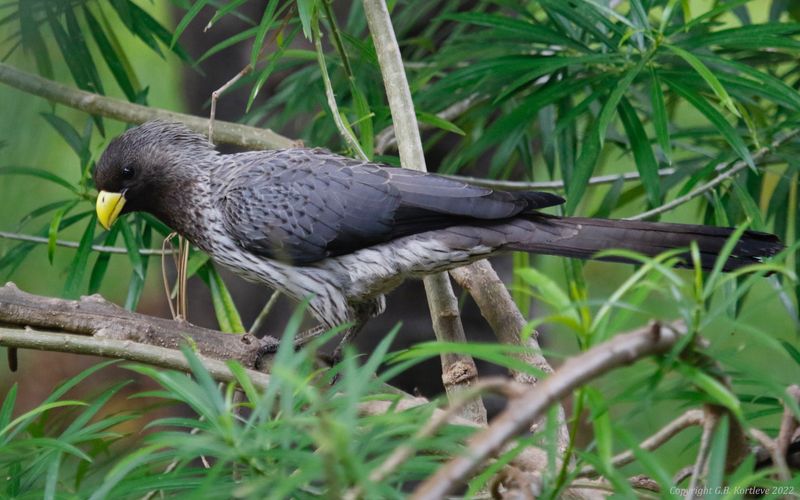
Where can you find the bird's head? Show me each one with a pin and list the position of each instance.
(146, 168)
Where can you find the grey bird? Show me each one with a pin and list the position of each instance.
(342, 232)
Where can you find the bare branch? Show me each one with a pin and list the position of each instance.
(689, 419)
(576, 371)
(727, 174)
(386, 138)
(346, 134)
(163, 357)
(505, 319)
(441, 300)
(94, 316)
(225, 132)
(711, 420)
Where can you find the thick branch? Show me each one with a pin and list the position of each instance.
(520, 412)
(95, 316)
(162, 357)
(224, 132)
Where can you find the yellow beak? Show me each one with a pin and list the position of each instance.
(109, 205)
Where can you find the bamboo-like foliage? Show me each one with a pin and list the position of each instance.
(569, 91)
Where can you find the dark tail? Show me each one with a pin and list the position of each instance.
(582, 238)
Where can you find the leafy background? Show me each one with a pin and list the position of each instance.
(556, 91)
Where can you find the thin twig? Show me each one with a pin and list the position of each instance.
(249, 67)
(334, 108)
(709, 424)
(555, 185)
(273, 299)
(734, 169)
(689, 419)
(621, 350)
(778, 460)
(95, 104)
(74, 244)
(789, 423)
(386, 137)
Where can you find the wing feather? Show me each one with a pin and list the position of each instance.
(302, 205)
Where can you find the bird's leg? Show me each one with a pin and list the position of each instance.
(348, 337)
(306, 336)
(360, 313)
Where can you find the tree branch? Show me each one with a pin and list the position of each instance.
(441, 299)
(726, 174)
(96, 317)
(501, 312)
(689, 419)
(621, 350)
(117, 109)
(162, 357)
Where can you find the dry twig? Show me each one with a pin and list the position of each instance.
(576, 371)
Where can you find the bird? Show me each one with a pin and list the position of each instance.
(341, 233)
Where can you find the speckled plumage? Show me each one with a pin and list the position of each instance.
(343, 232)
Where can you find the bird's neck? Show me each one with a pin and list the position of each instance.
(186, 205)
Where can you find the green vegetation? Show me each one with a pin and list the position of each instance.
(696, 102)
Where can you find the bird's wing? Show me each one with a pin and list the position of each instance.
(304, 205)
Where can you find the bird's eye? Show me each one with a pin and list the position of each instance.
(127, 172)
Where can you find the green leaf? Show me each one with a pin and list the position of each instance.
(101, 264)
(364, 121)
(230, 6)
(642, 151)
(306, 10)
(114, 60)
(224, 308)
(66, 131)
(228, 42)
(197, 6)
(8, 406)
(713, 388)
(717, 458)
(708, 76)
(55, 225)
(33, 413)
(146, 27)
(601, 422)
(38, 172)
(267, 20)
(660, 115)
(792, 350)
(593, 144)
(438, 122)
(133, 248)
(274, 58)
(716, 119)
(79, 263)
(527, 31)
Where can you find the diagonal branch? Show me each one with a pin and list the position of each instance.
(520, 412)
(225, 132)
(716, 181)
